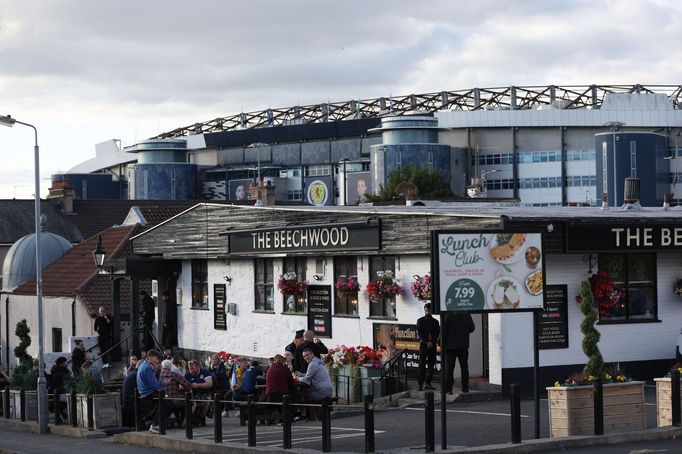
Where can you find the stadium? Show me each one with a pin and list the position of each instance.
(544, 145)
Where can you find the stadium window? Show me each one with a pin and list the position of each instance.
(635, 276)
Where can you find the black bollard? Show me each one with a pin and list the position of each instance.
(598, 407)
(73, 413)
(251, 412)
(138, 413)
(22, 404)
(286, 421)
(189, 433)
(6, 403)
(515, 413)
(57, 412)
(326, 425)
(162, 414)
(91, 421)
(675, 394)
(369, 423)
(429, 422)
(217, 420)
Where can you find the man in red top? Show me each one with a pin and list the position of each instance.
(278, 380)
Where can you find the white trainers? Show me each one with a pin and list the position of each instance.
(225, 414)
(154, 429)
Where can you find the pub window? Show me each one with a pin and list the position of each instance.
(199, 284)
(635, 276)
(385, 307)
(264, 290)
(295, 304)
(345, 271)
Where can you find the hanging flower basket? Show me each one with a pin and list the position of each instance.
(421, 287)
(605, 293)
(288, 284)
(348, 285)
(383, 287)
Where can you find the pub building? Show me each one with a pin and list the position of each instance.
(231, 257)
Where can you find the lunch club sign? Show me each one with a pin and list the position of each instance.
(484, 271)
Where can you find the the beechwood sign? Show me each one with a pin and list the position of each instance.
(614, 237)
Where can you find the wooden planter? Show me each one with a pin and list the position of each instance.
(571, 409)
(106, 410)
(31, 404)
(664, 403)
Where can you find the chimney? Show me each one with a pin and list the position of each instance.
(61, 190)
(631, 194)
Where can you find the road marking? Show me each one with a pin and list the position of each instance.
(317, 438)
(645, 451)
(487, 413)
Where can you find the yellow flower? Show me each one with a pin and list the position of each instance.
(620, 378)
(589, 378)
(557, 384)
(607, 376)
(679, 369)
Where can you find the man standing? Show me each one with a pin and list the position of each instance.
(428, 330)
(103, 328)
(293, 346)
(170, 320)
(314, 344)
(148, 316)
(456, 345)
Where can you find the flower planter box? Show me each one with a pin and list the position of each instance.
(571, 409)
(370, 386)
(664, 404)
(31, 404)
(106, 410)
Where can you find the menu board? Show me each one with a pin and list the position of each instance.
(320, 310)
(553, 321)
(487, 271)
(219, 317)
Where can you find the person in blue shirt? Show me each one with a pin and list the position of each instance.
(147, 385)
(202, 383)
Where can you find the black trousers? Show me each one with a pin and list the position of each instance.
(148, 339)
(427, 360)
(104, 345)
(463, 356)
(169, 335)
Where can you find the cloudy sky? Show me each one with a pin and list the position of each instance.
(84, 72)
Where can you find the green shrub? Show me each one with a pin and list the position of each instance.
(25, 376)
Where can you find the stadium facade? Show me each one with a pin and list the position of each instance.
(545, 145)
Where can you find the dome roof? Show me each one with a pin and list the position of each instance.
(20, 261)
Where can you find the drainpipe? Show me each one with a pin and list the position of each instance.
(73, 318)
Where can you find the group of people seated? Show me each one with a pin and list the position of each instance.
(298, 372)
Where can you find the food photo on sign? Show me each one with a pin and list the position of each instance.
(486, 271)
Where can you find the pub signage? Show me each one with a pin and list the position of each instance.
(623, 237)
(328, 237)
(553, 321)
(320, 310)
(219, 300)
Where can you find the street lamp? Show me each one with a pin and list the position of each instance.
(98, 254)
(258, 146)
(42, 384)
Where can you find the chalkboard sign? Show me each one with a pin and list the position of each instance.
(320, 310)
(553, 321)
(219, 317)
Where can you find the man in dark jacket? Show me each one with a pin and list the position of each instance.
(428, 330)
(103, 328)
(309, 342)
(170, 320)
(148, 316)
(59, 377)
(456, 344)
(293, 346)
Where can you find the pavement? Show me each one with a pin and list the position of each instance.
(474, 425)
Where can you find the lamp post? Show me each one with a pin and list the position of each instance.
(258, 146)
(42, 383)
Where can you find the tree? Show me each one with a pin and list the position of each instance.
(595, 362)
(24, 376)
(430, 184)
